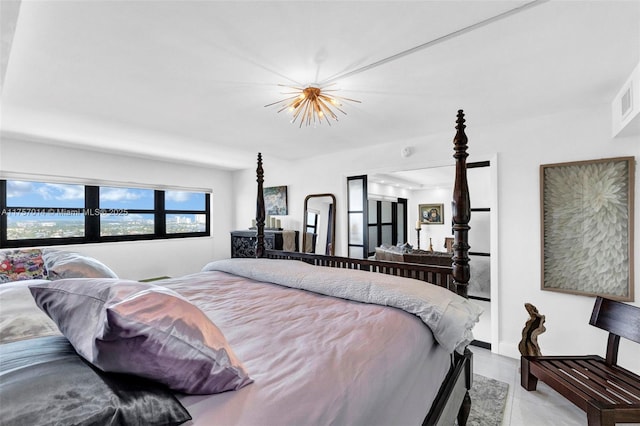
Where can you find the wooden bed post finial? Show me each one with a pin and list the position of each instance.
(260, 214)
(461, 211)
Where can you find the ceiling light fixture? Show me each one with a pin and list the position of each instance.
(312, 104)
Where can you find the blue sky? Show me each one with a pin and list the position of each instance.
(36, 194)
(40, 194)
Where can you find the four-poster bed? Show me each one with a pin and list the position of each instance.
(454, 394)
(271, 340)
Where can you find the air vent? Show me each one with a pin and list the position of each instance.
(626, 102)
(625, 111)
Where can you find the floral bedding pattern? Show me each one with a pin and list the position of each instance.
(21, 264)
(49, 264)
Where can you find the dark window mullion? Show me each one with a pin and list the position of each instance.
(160, 216)
(91, 216)
(3, 217)
(207, 208)
(379, 224)
(394, 223)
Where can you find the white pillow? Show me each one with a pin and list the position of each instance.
(64, 264)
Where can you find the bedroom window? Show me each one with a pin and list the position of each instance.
(126, 211)
(40, 210)
(185, 211)
(44, 213)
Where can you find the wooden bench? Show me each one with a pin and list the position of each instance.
(608, 393)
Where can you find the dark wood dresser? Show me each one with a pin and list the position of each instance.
(243, 243)
(429, 258)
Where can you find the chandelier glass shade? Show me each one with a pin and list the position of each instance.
(312, 104)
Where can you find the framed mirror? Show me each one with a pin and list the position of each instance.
(319, 224)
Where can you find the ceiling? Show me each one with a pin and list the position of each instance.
(188, 80)
(416, 179)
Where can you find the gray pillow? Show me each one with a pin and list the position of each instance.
(143, 329)
(44, 381)
(62, 264)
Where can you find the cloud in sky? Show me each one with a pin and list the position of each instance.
(123, 194)
(45, 191)
(16, 188)
(178, 196)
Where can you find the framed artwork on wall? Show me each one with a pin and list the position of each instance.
(587, 227)
(431, 214)
(275, 200)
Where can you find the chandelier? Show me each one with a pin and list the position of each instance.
(311, 104)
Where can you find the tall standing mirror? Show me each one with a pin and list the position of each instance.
(319, 224)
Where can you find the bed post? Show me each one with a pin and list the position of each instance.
(461, 211)
(260, 215)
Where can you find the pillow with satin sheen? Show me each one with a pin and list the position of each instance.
(143, 329)
(44, 381)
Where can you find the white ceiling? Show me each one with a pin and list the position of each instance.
(416, 179)
(188, 80)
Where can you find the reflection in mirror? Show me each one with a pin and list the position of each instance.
(319, 225)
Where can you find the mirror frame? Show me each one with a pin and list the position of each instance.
(332, 251)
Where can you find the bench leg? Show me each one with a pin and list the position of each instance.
(527, 380)
(598, 416)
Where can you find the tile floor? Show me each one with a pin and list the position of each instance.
(543, 407)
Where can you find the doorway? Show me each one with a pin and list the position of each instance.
(435, 185)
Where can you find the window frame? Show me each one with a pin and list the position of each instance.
(91, 215)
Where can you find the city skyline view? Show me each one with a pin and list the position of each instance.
(52, 210)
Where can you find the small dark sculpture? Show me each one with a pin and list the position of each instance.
(532, 329)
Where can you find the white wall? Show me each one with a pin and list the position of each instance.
(136, 259)
(520, 149)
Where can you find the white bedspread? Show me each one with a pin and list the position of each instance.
(449, 316)
(314, 359)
